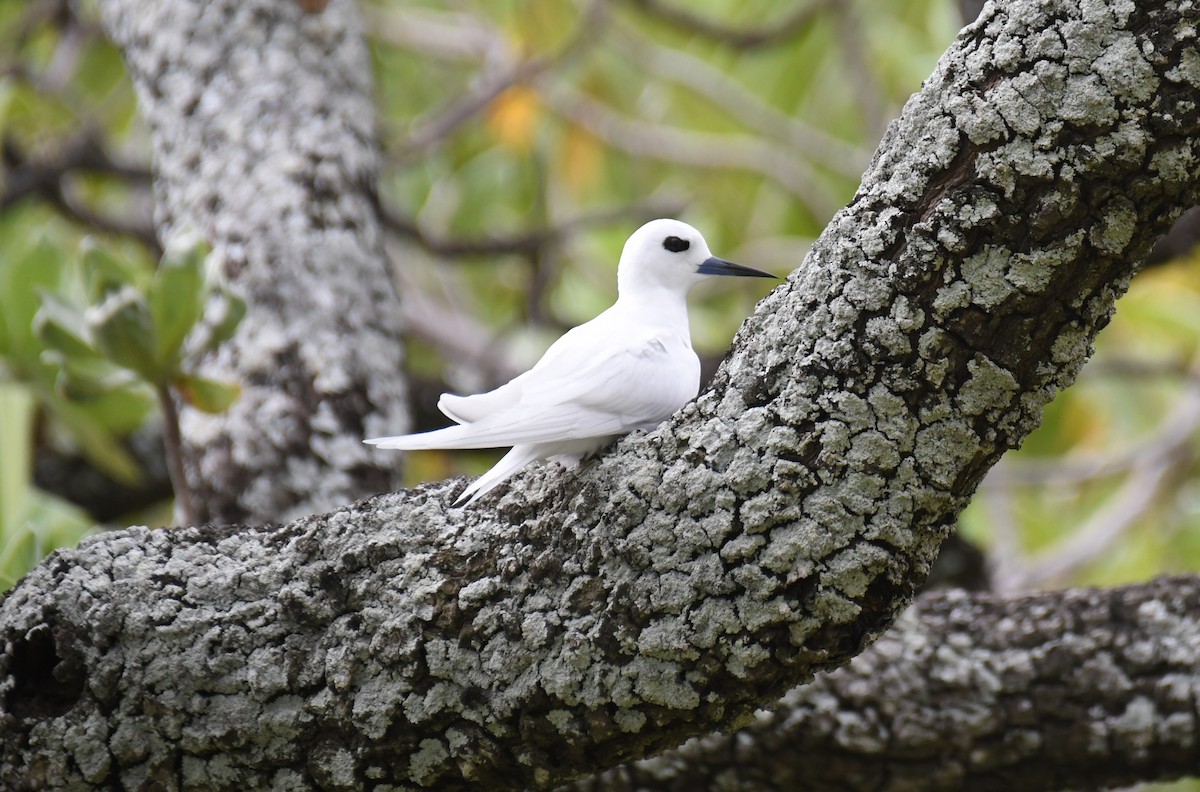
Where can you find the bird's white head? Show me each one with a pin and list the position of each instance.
(669, 254)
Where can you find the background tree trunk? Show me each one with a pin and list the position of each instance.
(1058, 690)
(262, 125)
(767, 532)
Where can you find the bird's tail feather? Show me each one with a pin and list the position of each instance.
(551, 426)
(450, 437)
(517, 458)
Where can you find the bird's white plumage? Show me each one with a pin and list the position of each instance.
(629, 368)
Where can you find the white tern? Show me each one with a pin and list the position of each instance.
(629, 368)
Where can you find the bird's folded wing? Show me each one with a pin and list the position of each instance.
(641, 381)
(603, 394)
(567, 358)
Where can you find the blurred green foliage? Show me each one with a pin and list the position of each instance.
(39, 400)
(86, 342)
(32, 523)
(140, 324)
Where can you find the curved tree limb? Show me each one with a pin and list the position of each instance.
(765, 533)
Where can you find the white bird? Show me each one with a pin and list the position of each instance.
(629, 368)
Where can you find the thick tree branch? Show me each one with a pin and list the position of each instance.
(765, 533)
(1081, 689)
(264, 140)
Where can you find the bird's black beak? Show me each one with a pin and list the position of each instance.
(715, 266)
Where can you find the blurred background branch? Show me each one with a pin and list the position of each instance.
(770, 33)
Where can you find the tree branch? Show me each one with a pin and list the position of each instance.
(434, 131)
(1081, 689)
(697, 149)
(766, 532)
(790, 26)
(526, 241)
(45, 178)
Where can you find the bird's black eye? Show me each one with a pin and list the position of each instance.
(675, 244)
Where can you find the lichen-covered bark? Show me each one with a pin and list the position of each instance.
(262, 126)
(1083, 689)
(767, 532)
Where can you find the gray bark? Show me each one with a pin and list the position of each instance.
(1060, 690)
(262, 125)
(767, 532)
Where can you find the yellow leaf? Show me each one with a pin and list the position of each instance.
(582, 158)
(513, 116)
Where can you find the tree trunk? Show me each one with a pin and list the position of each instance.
(767, 532)
(262, 125)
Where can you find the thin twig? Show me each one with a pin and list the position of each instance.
(1148, 479)
(140, 229)
(699, 149)
(459, 338)
(699, 76)
(1069, 471)
(432, 132)
(1133, 367)
(1005, 556)
(26, 175)
(769, 34)
(173, 443)
(867, 93)
(46, 178)
(443, 35)
(524, 242)
(57, 13)
(540, 259)
(1096, 538)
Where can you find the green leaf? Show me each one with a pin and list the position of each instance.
(113, 396)
(234, 310)
(122, 409)
(123, 331)
(176, 300)
(61, 327)
(37, 268)
(16, 427)
(79, 378)
(225, 312)
(206, 394)
(46, 524)
(103, 272)
(95, 441)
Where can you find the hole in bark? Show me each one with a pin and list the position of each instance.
(45, 684)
